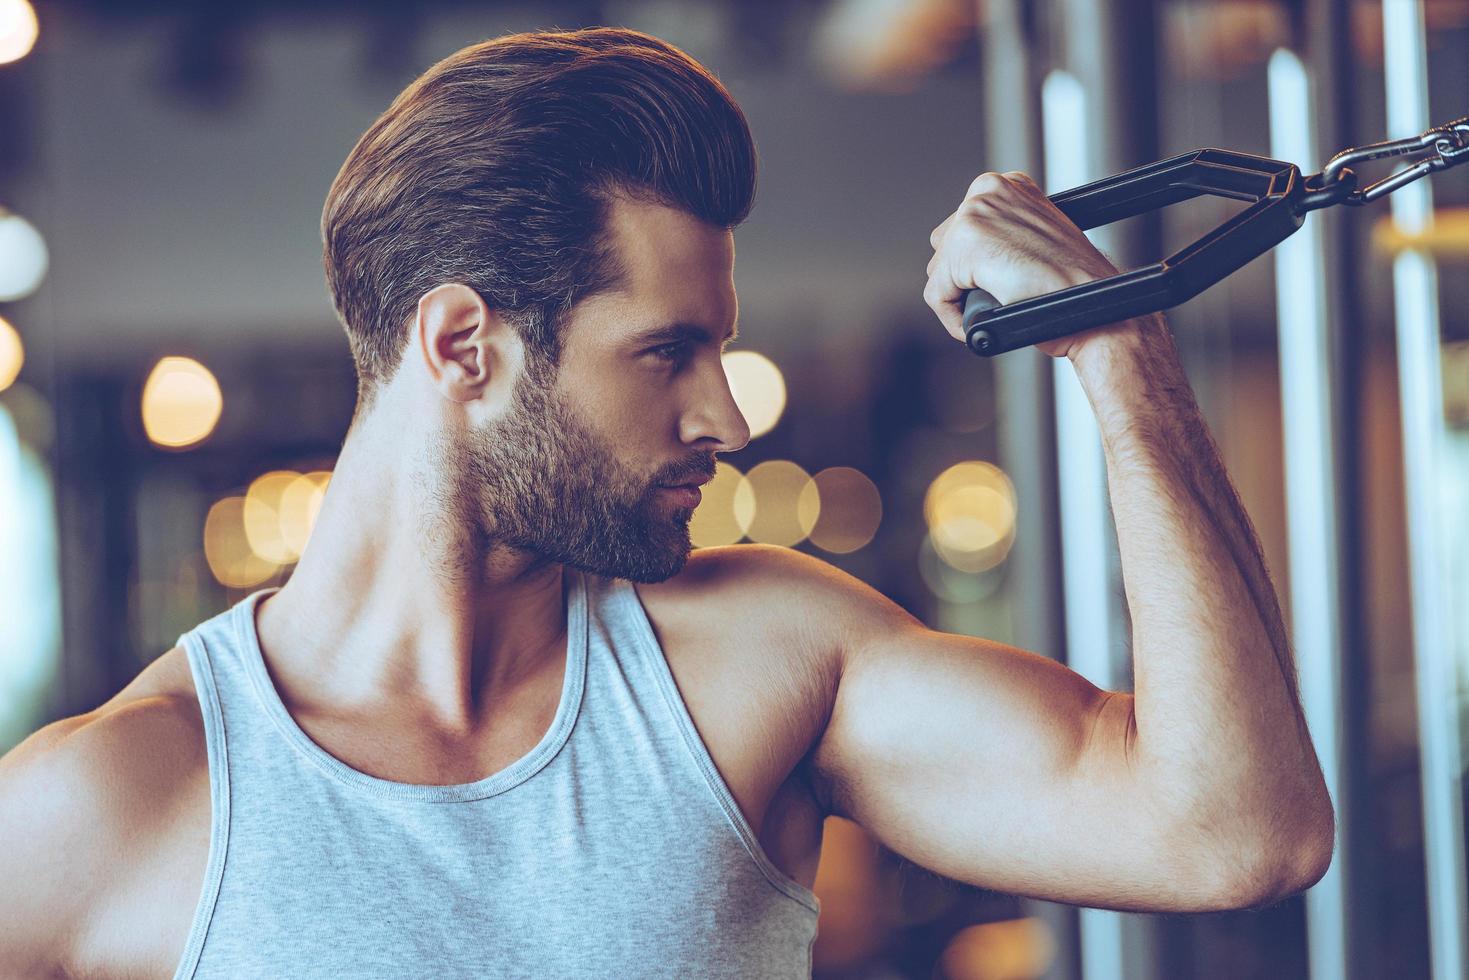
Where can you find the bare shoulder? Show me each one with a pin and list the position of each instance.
(813, 605)
(781, 623)
(84, 802)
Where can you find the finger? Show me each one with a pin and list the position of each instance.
(936, 237)
(943, 297)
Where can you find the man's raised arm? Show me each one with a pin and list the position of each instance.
(1217, 714)
(1200, 789)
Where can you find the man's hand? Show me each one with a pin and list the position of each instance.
(1008, 239)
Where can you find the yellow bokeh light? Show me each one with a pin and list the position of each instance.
(262, 516)
(715, 520)
(18, 30)
(758, 388)
(775, 494)
(227, 550)
(12, 354)
(848, 508)
(1017, 949)
(970, 510)
(299, 504)
(181, 403)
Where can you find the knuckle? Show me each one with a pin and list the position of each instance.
(986, 183)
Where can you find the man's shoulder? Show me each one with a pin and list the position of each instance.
(776, 590)
(84, 792)
(116, 763)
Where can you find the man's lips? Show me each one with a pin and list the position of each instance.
(687, 495)
(690, 484)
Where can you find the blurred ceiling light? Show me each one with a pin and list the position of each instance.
(847, 506)
(759, 389)
(227, 550)
(892, 45)
(181, 403)
(18, 30)
(23, 256)
(778, 487)
(716, 521)
(262, 517)
(970, 510)
(12, 354)
(300, 502)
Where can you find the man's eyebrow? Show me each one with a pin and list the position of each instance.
(681, 331)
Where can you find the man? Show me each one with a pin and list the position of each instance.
(462, 742)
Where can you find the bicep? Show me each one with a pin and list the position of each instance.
(1000, 768)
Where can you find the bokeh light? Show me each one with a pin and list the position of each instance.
(847, 506)
(262, 516)
(181, 403)
(35, 422)
(758, 388)
(949, 583)
(300, 502)
(776, 514)
(715, 521)
(970, 510)
(18, 30)
(12, 354)
(227, 550)
(1015, 949)
(23, 257)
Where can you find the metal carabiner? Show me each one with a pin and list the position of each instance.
(1446, 146)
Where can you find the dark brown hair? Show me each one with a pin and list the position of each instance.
(496, 169)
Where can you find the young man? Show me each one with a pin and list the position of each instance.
(462, 742)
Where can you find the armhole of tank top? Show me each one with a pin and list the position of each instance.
(219, 802)
(694, 743)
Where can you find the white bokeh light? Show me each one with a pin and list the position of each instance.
(18, 30)
(22, 256)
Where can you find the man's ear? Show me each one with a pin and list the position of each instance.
(466, 346)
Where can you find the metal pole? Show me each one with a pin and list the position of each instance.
(1310, 443)
(1026, 420)
(1100, 117)
(1420, 384)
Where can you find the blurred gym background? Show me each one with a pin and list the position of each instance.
(174, 387)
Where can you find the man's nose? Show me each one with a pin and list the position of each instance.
(717, 417)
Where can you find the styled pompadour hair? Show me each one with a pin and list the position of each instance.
(496, 168)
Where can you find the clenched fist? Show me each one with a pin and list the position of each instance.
(1008, 239)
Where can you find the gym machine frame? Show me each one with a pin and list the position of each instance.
(1280, 200)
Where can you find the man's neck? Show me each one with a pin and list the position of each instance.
(390, 606)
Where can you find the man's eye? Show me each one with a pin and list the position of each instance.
(672, 353)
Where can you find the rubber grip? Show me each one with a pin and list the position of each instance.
(976, 303)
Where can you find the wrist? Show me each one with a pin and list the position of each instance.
(1125, 346)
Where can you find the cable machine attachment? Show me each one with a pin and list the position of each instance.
(1279, 196)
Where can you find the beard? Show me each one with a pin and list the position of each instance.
(541, 482)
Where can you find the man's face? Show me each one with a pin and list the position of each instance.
(574, 472)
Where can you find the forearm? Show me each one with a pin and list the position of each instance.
(1219, 726)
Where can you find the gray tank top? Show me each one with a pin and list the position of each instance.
(612, 849)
